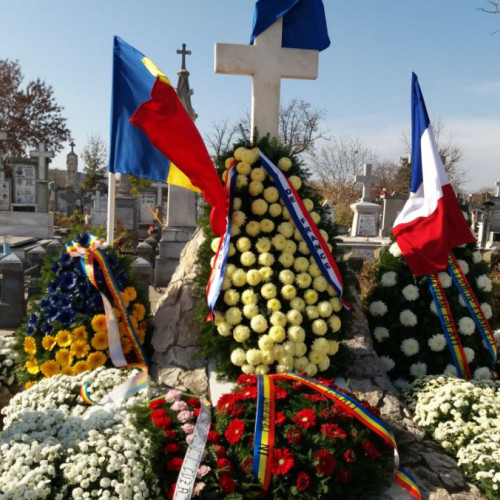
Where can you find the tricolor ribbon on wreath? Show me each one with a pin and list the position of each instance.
(90, 255)
(303, 221)
(265, 424)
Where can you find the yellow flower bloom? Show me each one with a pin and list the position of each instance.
(126, 345)
(80, 333)
(63, 338)
(141, 335)
(48, 342)
(29, 384)
(67, 370)
(30, 345)
(31, 366)
(96, 359)
(139, 311)
(99, 322)
(100, 341)
(79, 349)
(63, 357)
(131, 293)
(125, 298)
(134, 323)
(49, 368)
(80, 367)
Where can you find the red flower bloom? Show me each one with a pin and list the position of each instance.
(325, 381)
(370, 450)
(333, 431)
(237, 410)
(235, 430)
(225, 403)
(194, 402)
(344, 475)
(224, 463)
(325, 462)
(248, 392)
(279, 418)
(305, 418)
(170, 435)
(196, 412)
(303, 481)
(281, 461)
(160, 419)
(294, 436)
(247, 464)
(349, 456)
(330, 412)
(171, 448)
(280, 393)
(315, 397)
(213, 437)
(174, 464)
(171, 491)
(220, 451)
(247, 379)
(156, 403)
(226, 483)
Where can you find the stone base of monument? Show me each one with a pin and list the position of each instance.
(366, 219)
(172, 242)
(32, 224)
(174, 340)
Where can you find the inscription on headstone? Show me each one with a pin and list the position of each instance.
(367, 225)
(145, 199)
(24, 184)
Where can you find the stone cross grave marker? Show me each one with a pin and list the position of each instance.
(42, 154)
(267, 62)
(367, 180)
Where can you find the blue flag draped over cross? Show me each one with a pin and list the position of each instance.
(304, 22)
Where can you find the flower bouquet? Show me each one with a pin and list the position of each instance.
(56, 447)
(405, 325)
(66, 331)
(462, 416)
(276, 311)
(7, 362)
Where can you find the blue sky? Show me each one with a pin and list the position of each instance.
(364, 76)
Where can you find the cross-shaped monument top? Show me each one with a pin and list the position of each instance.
(367, 180)
(42, 154)
(184, 53)
(267, 62)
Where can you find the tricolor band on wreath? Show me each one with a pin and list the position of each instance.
(430, 225)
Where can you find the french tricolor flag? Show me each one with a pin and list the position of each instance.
(431, 222)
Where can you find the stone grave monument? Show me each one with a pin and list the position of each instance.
(366, 213)
(391, 207)
(181, 203)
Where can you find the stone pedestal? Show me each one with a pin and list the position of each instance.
(392, 207)
(42, 196)
(366, 219)
(12, 302)
(142, 271)
(181, 207)
(173, 240)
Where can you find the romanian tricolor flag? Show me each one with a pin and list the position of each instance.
(164, 145)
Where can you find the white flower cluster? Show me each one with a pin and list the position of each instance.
(7, 361)
(273, 286)
(463, 417)
(54, 446)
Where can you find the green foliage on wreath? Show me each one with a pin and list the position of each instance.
(219, 347)
(406, 330)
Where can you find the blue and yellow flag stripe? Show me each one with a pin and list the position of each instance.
(448, 326)
(472, 303)
(407, 481)
(264, 431)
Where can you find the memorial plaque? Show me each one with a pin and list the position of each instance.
(24, 184)
(145, 199)
(367, 225)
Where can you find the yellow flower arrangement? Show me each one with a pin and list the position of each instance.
(266, 225)
(252, 228)
(126, 345)
(243, 244)
(80, 333)
(30, 345)
(243, 168)
(239, 278)
(258, 174)
(31, 366)
(241, 181)
(263, 245)
(63, 338)
(266, 273)
(100, 341)
(131, 293)
(49, 368)
(67, 370)
(79, 349)
(259, 206)
(99, 322)
(49, 342)
(29, 384)
(139, 311)
(271, 194)
(284, 164)
(275, 210)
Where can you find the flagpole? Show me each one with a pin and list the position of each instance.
(110, 231)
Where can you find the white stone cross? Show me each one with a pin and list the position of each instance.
(367, 180)
(497, 184)
(42, 154)
(267, 62)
